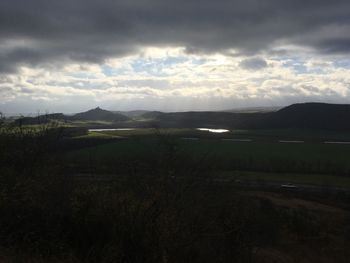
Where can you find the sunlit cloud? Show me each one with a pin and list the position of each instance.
(170, 74)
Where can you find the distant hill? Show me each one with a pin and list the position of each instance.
(96, 114)
(313, 116)
(152, 114)
(254, 109)
(320, 116)
(132, 114)
(302, 116)
(99, 114)
(41, 119)
(205, 119)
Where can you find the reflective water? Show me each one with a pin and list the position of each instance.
(213, 130)
(329, 142)
(119, 129)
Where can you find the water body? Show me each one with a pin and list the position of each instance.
(285, 141)
(119, 129)
(337, 142)
(213, 130)
(191, 139)
(238, 140)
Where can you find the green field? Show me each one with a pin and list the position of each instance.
(260, 135)
(310, 162)
(263, 158)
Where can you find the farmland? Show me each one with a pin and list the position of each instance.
(77, 196)
(262, 154)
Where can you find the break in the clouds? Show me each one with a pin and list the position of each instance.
(174, 55)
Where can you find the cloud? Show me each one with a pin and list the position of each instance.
(339, 45)
(92, 31)
(253, 64)
(168, 79)
(172, 55)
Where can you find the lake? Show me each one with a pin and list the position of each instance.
(213, 130)
(119, 129)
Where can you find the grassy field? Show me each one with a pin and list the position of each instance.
(260, 135)
(309, 162)
(309, 152)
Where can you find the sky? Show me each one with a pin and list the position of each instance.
(72, 55)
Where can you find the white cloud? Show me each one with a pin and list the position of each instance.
(164, 77)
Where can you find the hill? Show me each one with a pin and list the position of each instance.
(303, 116)
(96, 114)
(313, 116)
(254, 109)
(99, 114)
(319, 116)
(133, 113)
(41, 119)
(152, 115)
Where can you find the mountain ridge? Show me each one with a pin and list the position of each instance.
(99, 114)
(310, 115)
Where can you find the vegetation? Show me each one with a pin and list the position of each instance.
(264, 155)
(154, 197)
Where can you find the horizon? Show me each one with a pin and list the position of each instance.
(43, 112)
(236, 109)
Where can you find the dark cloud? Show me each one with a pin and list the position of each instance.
(335, 45)
(87, 30)
(253, 64)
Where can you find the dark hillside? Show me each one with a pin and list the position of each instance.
(303, 116)
(152, 114)
(212, 119)
(99, 114)
(132, 114)
(41, 119)
(313, 116)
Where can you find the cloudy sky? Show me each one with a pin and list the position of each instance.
(72, 55)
